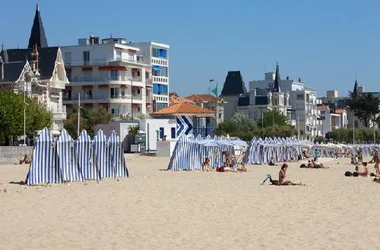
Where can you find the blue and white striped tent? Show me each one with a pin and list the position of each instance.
(101, 156)
(84, 152)
(116, 156)
(44, 168)
(67, 159)
(190, 153)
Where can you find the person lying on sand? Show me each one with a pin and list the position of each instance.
(377, 180)
(277, 182)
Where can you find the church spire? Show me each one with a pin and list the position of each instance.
(356, 87)
(37, 34)
(277, 80)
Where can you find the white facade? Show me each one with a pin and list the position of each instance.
(154, 129)
(329, 121)
(302, 102)
(109, 73)
(48, 92)
(157, 56)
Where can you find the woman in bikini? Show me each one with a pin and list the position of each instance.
(282, 178)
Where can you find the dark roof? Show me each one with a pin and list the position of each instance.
(355, 92)
(277, 80)
(12, 71)
(37, 34)
(47, 57)
(243, 101)
(234, 84)
(261, 92)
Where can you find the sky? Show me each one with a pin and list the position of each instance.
(325, 43)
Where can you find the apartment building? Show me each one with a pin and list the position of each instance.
(157, 56)
(109, 73)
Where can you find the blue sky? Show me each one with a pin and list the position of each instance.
(324, 42)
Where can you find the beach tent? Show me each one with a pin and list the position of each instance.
(190, 153)
(84, 153)
(43, 167)
(116, 156)
(67, 160)
(101, 156)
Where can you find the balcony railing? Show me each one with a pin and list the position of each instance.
(107, 79)
(102, 61)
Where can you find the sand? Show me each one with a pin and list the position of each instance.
(192, 210)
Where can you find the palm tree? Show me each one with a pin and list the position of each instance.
(133, 130)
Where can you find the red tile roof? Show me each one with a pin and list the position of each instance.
(176, 99)
(183, 108)
(203, 98)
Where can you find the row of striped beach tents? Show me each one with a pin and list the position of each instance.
(61, 159)
(278, 149)
(190, 152)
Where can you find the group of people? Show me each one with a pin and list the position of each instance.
(358, 159)
(313, 163)
(230, 164)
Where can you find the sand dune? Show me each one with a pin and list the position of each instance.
(192, 210)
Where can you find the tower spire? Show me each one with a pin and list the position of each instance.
(277, 80)
(37, 34)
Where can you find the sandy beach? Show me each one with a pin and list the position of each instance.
(192, 210)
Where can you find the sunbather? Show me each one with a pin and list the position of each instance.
(282, 178)
(376, 160)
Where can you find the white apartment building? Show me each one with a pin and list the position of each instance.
(157, 56)
(330, 120)
(302, 104)
(110, 73)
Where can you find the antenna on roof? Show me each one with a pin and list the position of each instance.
(356, 76)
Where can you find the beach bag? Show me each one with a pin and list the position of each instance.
(303, 166)
(355, 174)
(348, 174)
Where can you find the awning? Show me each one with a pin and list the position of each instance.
(156, 68)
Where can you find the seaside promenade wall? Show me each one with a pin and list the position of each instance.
(13, 154)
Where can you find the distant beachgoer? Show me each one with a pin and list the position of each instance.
(271, 162)
(376, 160)
(317, 164)
(26, 160)
(282, 177)
(206, 165)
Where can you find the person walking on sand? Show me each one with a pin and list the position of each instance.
(376, 160)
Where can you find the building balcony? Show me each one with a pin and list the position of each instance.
(160, 79)
(105, 61)
(59, 116)
(121, 80)
(159, 61)
(136, 99)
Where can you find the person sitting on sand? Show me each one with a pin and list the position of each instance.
(282, 178)
(271, 162)
(365, 172)
(354, 159)
(310, 164)
(317, 164)
(206, 165)
(26, 160)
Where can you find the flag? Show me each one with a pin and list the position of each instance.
(215, 90)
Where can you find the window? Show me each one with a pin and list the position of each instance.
(114, 93)
(69, 75)
(161, 53)
(113, 111)
(138, 91)
(86, 57)
(300, 97)
(173, 132)
(114, 75)
(67, 58)
(162, 132)
(138, 109)
(88, 94)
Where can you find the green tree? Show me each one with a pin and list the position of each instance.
(272, 117)
(12, 116)
(365, 106)
(88, 120)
